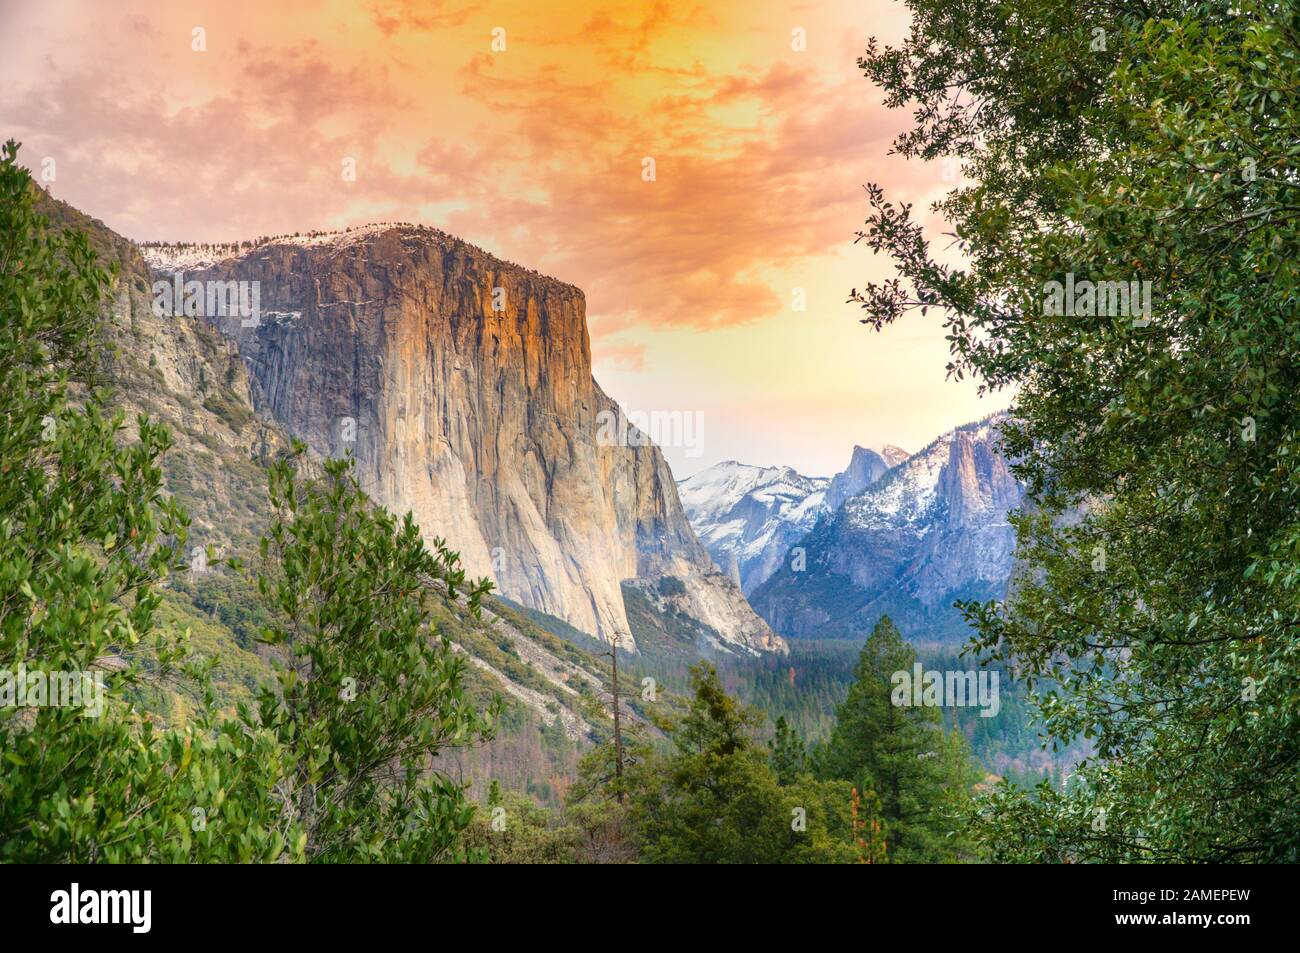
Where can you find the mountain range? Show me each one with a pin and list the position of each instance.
(891, 534)
(750, 516)
(461, 384)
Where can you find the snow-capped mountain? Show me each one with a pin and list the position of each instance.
(865, 468)
(748, 517)
(931, 530)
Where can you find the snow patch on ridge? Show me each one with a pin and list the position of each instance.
(195, 256)
(908, 493)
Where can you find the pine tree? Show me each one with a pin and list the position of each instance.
(716, 800)
(899, 754)
(787, 753)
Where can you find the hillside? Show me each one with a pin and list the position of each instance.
(183, 372)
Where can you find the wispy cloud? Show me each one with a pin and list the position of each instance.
(535, 151)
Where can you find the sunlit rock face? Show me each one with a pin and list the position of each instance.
(462, 385)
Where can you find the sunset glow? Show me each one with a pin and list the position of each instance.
(535, 150)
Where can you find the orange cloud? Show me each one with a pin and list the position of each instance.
(539, 157)
(534, 151)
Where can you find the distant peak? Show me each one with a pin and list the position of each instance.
(894, 455)
(865, 459)
(891, 454)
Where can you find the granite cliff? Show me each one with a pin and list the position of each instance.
(462, 385)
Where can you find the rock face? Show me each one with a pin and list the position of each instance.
(931, 530)
(865, 468)
(178, 370)
(462, 385)
(892, 455)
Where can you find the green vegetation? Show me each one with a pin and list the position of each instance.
(892, 784)
(366, 697)
(315, 707)
(671, 586)
(229, 408)
(670, 633)
(146, 761)
(1135, 143)
(918, 771)
(86, 535)
(715, 799)
(309, 698)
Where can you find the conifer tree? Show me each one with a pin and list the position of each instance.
(787, 753)
(900, 754)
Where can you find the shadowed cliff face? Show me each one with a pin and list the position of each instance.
(463, 387)
(865, 468)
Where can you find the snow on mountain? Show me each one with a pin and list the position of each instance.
(908, 493)
(893, 455)
(186, 256)
(960, 470)
(748, 516)
(193, 256)
(931, 530)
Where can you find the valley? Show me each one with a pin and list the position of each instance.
(461, 387)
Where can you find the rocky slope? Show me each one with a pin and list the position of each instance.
(462, 385)
(749, 516)
(931, 530)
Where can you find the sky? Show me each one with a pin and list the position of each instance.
(525, 128)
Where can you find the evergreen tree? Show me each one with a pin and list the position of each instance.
(901, 755)
(716, 800)
(787, 753)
